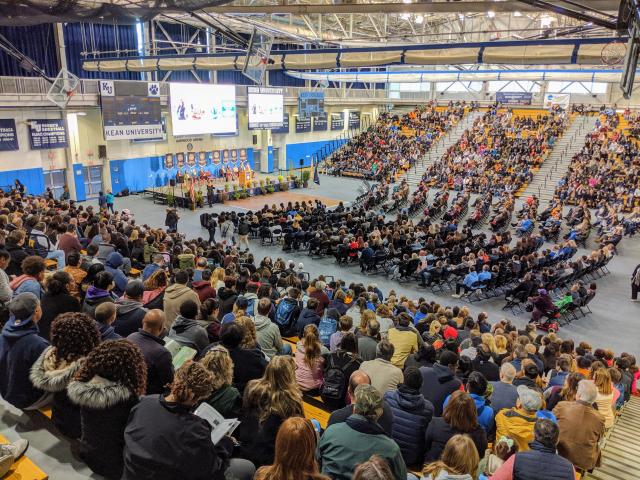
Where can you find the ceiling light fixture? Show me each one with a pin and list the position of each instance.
(419, 19)
(491, 14)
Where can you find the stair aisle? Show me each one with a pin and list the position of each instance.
(622, 447)
(556, 164)
(414, 175)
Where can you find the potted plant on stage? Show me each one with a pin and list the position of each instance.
(282, 184)
(263, 190)
(306, 175)
(199, 199)
(171, 199)
(297, 182)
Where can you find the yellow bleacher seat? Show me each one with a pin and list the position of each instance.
(134, 272)
(51, 263)
(313, 412)
(24, 468)
(46, 411)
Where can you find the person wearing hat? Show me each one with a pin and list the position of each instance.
(540, 459)
(518, 422)
(20, 347)
(346, 444)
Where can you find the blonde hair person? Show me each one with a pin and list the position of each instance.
(225, 398)
(434, 328)
(489, 340)
(459, 458)
(310, 361)
(365, 318)
(217, 278)
(605, 398)
(250, 339)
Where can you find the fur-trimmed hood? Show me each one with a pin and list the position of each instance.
(48, 376)
(98, 393)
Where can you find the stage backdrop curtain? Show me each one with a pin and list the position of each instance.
(36, 42)
(105, 38)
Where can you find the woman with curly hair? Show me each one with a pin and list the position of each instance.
(225, 398)
(294, 453)
(106, 388)
(267, 402)
(73, 336)
(164, 439)
(250, 339)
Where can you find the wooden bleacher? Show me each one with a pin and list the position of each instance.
(24, 468)
(622, 447)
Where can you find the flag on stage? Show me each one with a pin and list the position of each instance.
(192, 193)
(316, 177)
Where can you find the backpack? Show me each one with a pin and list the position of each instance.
(327, 327)
(334, 388)
(286, 314)
(251, 306)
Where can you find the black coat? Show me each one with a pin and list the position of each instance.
(490, 370)
(227, 298)
(258, 439)
(157, 358)
(253, 364)
(438, 434)
(128, 317)
(18, 254)
(438, 382)
(104, 410)
(165, 441)
(52, 306)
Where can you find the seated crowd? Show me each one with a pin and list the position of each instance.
(395, 142)
(498, 153)
(410, 385)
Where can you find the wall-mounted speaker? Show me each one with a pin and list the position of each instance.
(102, 151)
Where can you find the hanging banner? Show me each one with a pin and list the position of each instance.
(203, 159)
(168, 161)
(320, 122)
(8, 135)
(354, 119)
(285, 125)
(303, 125)
(216, 157)
(514, 98)
(225, 156)
(180, 160)
(552, 99)
(337, 121)
(47, 133)
(130, 110)
(243, 154)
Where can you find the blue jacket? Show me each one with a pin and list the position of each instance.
(150, 270)
(20, 347)
(470, 279)
(114, 261)
(485, 412)
(527, 465)
(26, 283)
(558, 379)
(484, 276)
(411, 417)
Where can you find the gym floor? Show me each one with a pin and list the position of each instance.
(613, 323)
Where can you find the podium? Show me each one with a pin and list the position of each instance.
(244, 178)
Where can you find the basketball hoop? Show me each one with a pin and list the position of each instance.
(63, 88)
(614, 53)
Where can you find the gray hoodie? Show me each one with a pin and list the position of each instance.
(268, 336)
(189, 333)
(174, 296)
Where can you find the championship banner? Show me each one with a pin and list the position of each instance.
(8, 135)
(337, 121)
(47, 133)
(320, 122)
(514, 98)
(303, 125)
(354, 119)
(130, 110)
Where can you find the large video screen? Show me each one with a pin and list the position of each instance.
(201, 108)
(266, 107)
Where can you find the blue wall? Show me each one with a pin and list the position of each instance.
(78, 180)
(296, 151)
(137, 174)
(33, 179)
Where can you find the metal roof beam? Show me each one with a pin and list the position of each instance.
(560, 10)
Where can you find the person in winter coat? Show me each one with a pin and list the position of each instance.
(156, 356)
(338, 302)
(476, 387)
(225, 398)
(175, 295)
(459, 417)
(252, 360)
(154, 288)
(482, 363)
(440, 381)
(346, 444)
(129, 309)
(268, 333)
(20, 347)
(114, 261)
(504, 394)
(527, 465)
(33, 269)
(99, 292)
(56, 300)
(411, 417)
(459, 461)
(581, 428)
(171, 220)
(227, 296)
(308, 316)
(105, 315)
(518, 422)
(73, 336)
(186, 330)
(165, 440)
(15, 246)
(106, 388)
(203, 287)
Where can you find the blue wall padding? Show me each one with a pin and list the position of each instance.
(78, 180)
(305, 151)
(32, 178)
